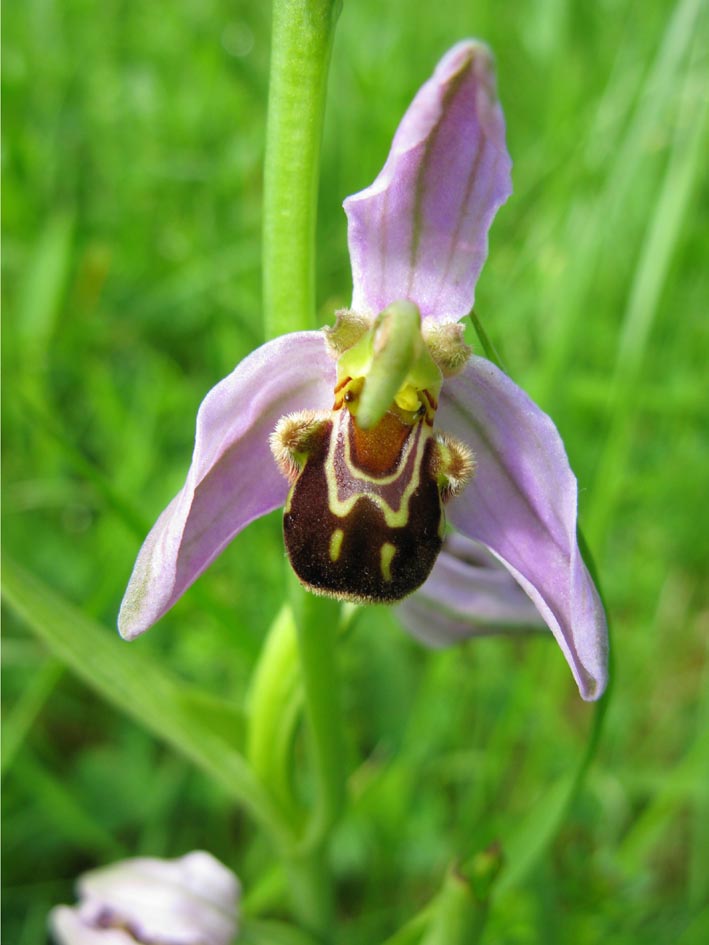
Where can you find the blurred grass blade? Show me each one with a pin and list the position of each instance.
(42, 289)
(664, 812)
(69, 817)
(686, 161)
(412, 932)
(268, 932)
(20, 719)
(127, 512)
(126, 677)
(536, 833)
(462, 905)
(124, 510)
(699, 850)
(611, 212)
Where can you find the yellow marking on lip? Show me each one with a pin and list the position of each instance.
(394, 518)
(336, 544)
(386, 556)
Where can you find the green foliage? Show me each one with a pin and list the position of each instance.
(131, 277)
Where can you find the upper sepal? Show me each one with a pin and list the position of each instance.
(419, 232)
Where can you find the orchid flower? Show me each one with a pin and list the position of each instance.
(378, 423)
(144, 901)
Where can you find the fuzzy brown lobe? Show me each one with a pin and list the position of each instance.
(359, 555)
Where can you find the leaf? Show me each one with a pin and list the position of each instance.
(20, 719)
(268, 932)
(124, 675)
(535, 834)
(64, 811)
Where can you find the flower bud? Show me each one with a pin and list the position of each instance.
(144, 901)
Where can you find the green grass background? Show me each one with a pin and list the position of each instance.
(132, 155)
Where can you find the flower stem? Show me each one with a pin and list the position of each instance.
(317, 619)
(489, 348)
(306, 863)
(300, 56)
(311, 891)
(459, 918)
(275, 706)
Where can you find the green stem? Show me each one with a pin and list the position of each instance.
(312, 892)
(570, 789)
(601, 708)
(300, 56)
(317, 620)
(275, 707)
(458, 914)
(491, 352)
(532, 842)
(459, 918)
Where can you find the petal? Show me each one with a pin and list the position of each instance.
(419, 232)
(522, 504)
(469, 593)
(68, 928)
(188, 901)
(233, 478)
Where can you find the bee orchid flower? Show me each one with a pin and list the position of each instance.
(378, 423)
